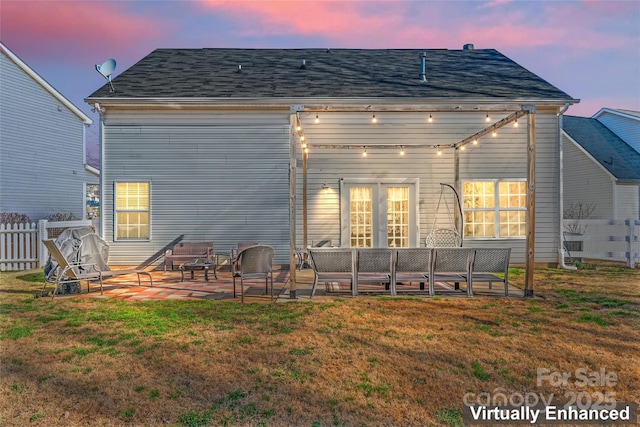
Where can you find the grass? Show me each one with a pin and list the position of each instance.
(341, 362)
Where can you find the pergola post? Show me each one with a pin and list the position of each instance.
(531, 198)
(292, 200)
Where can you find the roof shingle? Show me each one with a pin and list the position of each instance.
(337, 73)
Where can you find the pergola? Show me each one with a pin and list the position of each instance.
(297, 139)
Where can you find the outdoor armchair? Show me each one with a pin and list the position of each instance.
(253, 262)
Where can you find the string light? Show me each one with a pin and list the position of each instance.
(302, 138)
(364, 152)
(373, 118)
(401, 150)
(475, 141)
(298, 128)
(487, 119)
(306, 150)
(304, 145)
(439, 152)
(430, 118)
(515, 124)
(494, 133)
(317, 118)
(463, 148)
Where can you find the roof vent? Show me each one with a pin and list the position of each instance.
(423, 67)
(304, 64)
(468, 46)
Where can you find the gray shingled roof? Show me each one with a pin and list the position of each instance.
(336, 73)
(615, 155)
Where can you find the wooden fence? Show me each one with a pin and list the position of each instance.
(608, 240)
(21, 245)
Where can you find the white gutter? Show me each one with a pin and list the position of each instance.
(100, 110)
(561, 251)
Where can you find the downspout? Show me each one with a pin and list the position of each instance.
(561, 190)
(100, 111)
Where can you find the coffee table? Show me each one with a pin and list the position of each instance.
(198, 264)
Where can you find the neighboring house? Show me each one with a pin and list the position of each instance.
(601, 170)
(42, 145)
(204, 144)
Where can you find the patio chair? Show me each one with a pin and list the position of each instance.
(253, 262)
(331, 265)
(451, 265)
(67, 272)
(375, 266)
(488, 262)
(233, 253)
(412, 265)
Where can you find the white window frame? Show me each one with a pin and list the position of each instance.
(496, 208)
(379, 207)
(115, 212)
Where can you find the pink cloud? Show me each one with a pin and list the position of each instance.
(78, 28)
(493, 24)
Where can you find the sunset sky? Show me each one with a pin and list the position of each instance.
(589, 49)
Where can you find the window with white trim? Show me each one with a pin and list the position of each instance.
(494, 209)
(132, 211)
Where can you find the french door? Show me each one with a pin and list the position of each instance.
(378, 214)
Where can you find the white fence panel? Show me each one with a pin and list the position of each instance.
(608, 240)
(21, 246)
(18, 247)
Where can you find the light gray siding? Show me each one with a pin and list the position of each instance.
(220, 177)
(586, 182)
(41, 149)
(627, 128)
(502, 157)
(627, 202)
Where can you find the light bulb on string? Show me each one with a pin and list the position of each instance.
(374, 119)
(430, 119)
(487, 119)
(364, 153)
(475, 141)
(494, 133)
(401, 151)
(317, 118)
(298, 128)
(515, 123)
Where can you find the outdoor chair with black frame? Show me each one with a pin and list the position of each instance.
(332, 265)
(67, 272)
(488, 264)
(412, 265)
(251, 263)
(375, 266)
(451, 265)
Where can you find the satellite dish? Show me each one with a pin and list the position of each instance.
(106, 69)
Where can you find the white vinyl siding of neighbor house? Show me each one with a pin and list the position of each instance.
(503, 157)
(627, 202)
(627, 128)
(214, 176)
(41, 149)
(586, 182)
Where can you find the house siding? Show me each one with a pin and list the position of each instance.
(503, 157)
(626, 128)
(586, 183)
(214, 176)
(41, 149)
(628, 202)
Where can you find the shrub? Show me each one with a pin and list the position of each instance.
(61, 216)
(14, 218)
